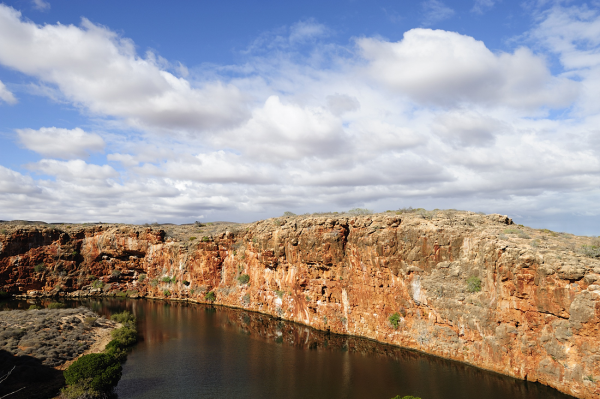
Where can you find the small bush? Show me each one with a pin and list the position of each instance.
(244, 279)
(279, 293)
(394, 320)
(186, 283)
(360, 211)
(288, 214)
(141, 278)
(74, 253)
(80, 390)
(123, 317)
(166, 280)
(210, 296)
(125, 336)
(154, 282)
(56, 305)
(167, 293)
(246, 299)
(100, 370)
(205, 238)
(192, 238)
(98, 284)
(39, 268)
(34, 307)
(115, 273)
(592, 251)
(473, 284)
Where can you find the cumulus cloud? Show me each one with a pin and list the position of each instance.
(433, 120)
(445, 68)
(95, 68)
(6, 95)
(61, 143)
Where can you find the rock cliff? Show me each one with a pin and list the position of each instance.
(464, 286)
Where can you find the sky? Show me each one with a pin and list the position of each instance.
(146, 111)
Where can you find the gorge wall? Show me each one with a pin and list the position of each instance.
(469, 287)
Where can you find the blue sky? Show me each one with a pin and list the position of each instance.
(145, 111)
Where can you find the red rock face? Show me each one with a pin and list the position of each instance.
(458, 286)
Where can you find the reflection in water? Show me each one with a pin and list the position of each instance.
(198, 351)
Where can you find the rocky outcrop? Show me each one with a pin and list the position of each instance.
(469, 287)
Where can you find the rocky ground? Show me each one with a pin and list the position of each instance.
(461, 285)
(40, 343)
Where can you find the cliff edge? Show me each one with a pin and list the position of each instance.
(464, 286)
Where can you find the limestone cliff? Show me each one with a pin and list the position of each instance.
(474, 288)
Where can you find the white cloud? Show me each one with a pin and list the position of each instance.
(61, 143)
(41, 5)
(434, 120)
(95, 68)
(74, 170)
(435, 11)
(441, 67)
(482, 6)
(6, 95)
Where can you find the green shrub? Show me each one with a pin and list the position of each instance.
(39, 268)
(81, 390)
(74, 253)
(167, 293)
(141, 277)
(405, 397)
(115, 273)
(592, 251)
(288, 214)
(126, 336)
(192, 238)
(100, 370)
(98, 284)
(205, 238)
(154, 282)
(168, 279)
(186, 283)
(34, 307)
(394, 320)
(56, 305)
(244, 279)
(473, 284)
(121, 294)
(123, 317)
(210, 296)
(279, 293)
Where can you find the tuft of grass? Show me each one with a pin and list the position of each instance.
(244, 279)
(279, 293)
(205, 239)
(210, 296)
(115, 273)
(142, 277)
(473, 284)
(39, 268)
(394, 320)
(192, 238)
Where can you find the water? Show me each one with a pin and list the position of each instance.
(197, 351)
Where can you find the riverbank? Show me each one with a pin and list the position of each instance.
(40, 343)
(464, 286)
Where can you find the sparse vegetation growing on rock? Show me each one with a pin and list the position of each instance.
(394, 320)
(210, 296)
(39, 268)
(141, 278)
(56, 305)
(360, 211)
(473, 284)
(244, 279)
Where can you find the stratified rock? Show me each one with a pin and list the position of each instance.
(474, 288)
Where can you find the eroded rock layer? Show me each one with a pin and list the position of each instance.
(473, 288)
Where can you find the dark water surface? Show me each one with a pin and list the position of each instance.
(198, 351)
